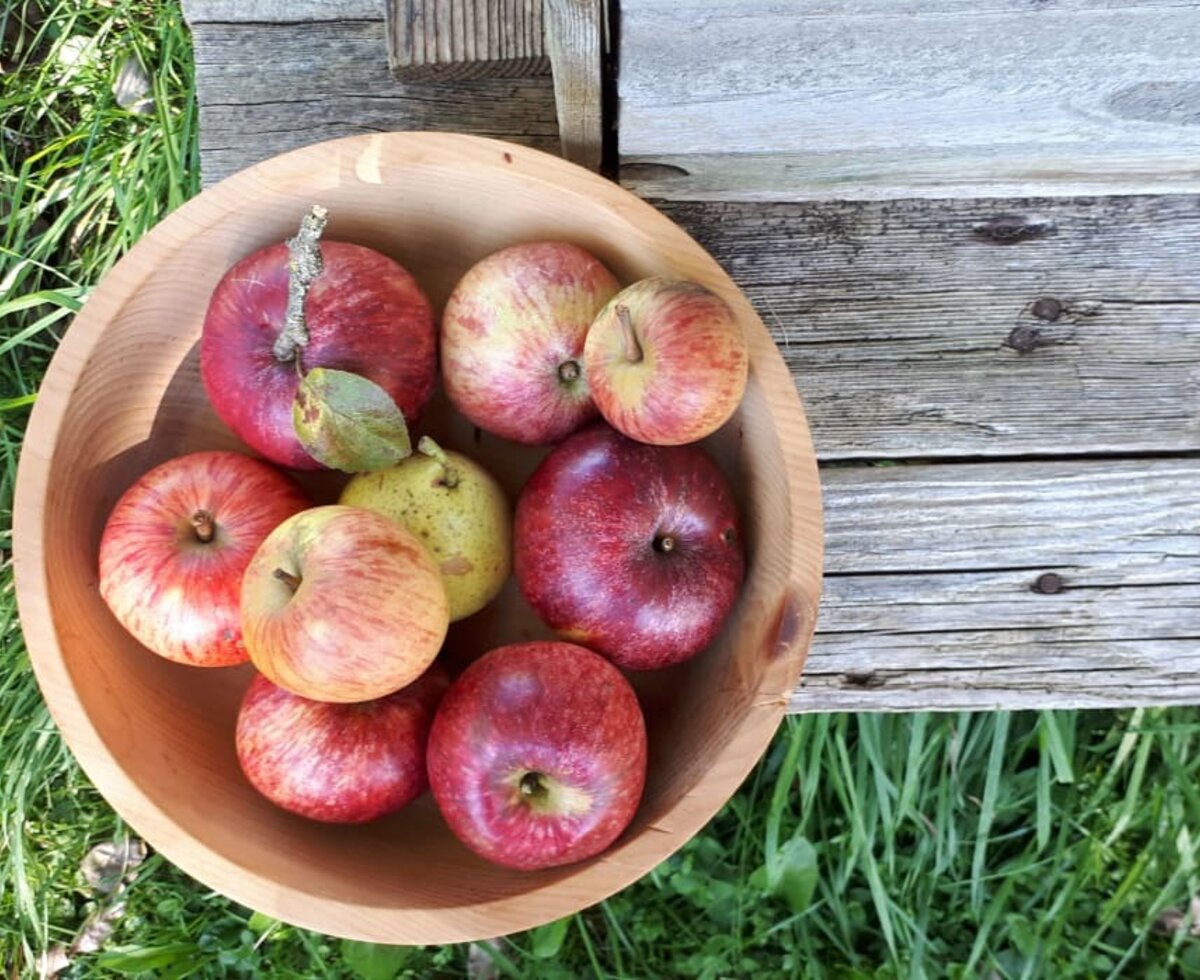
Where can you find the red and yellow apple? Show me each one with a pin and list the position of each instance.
(631, 549)
(339, 763)
(343, 604)
(512, 340)
(667, 361)
(176, 545)
(537, 755)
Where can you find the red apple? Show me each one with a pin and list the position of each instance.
(537, 756)
(364, 313)
(667, 361)
(512, 340)
(175, 547)
(340, 763)
(343, 604)
(633, 550)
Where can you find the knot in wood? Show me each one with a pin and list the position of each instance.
(1048, 584)
(1008, 229)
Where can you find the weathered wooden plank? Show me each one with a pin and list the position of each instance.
(913, 327)
(832, 98)
(279, 11)
(935, 596)
(575, 45)
(330, 78)
(449, 39)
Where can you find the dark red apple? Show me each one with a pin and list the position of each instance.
(537, 756)
(340, 763)
(631, 549)
(364, 313)
(176, 545)
(512, 340)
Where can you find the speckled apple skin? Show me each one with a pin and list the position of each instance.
(178, 596)
(547, 707)
(584, 547)
(693, 368)
(510, 323)
(365, 314)
(338, 763)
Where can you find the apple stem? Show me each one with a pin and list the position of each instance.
(449, 471)
(664, 543)
(304, 265)
(568, 371)
(288, 579)
(204, 526)
(633, 350)
(531, 784)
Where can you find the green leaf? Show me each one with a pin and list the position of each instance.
(348, 422)
(260, 923)
(793, 874)
(548, 939)
(142, 959)
(375, 961)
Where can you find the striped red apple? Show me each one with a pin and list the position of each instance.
(342, 604)
(667, 361)
(175, 547)
(512, 340)
(338, 763)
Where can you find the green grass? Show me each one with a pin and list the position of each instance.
(971, 845)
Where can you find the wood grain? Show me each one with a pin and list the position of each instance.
(123, 392)
(932, 596)
(452, 39)
(279, 11)
(911, 331)
(762, 99)
(329, 78)
(574, 40)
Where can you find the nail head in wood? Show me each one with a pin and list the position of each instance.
(1048, 584)
(1023, 339)
(1047, 308)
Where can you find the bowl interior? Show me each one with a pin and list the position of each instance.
(124, 394)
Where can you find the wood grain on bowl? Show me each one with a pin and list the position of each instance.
(124, 393)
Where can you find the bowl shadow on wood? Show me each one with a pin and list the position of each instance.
(173, 725)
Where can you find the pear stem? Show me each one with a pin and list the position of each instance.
(304, 265)
(431, 449)
(204, 526)
(288, 579)
(633, 350)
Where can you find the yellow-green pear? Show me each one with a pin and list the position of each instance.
(456, 508)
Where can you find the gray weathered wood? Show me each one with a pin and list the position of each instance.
(279, 11)
(899, 320)
(267, 87)
(910, 325)
(766, 99)
(447, 39)
(930, 597)
(574, 40)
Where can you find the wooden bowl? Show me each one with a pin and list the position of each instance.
(124, 393)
